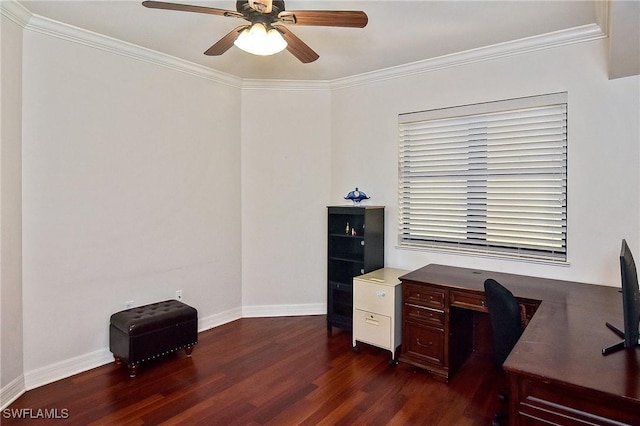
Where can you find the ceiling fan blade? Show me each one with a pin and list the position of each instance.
(297, 47)
(225, 42)
(325, 18)
(190, 8)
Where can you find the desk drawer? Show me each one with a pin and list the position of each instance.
(429, 297)
(541, 401)
(468, 300)
(428, 316)
(424, 343)
(373, 297)
(372, 328)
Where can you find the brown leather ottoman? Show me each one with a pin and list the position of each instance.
(146, 332)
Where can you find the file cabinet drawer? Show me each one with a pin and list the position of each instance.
(372, 297)
(372, 328)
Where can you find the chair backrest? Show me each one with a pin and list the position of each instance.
(504, 314)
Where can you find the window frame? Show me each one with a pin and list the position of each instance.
(419, 228)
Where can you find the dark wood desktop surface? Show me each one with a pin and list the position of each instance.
(564, 339)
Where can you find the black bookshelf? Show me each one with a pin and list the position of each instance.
(355, 247)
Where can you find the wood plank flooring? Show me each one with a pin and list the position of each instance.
(268, 371)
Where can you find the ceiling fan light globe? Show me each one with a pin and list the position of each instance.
(258, 41)
(276, 41)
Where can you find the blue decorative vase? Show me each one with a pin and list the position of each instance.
(356, 196)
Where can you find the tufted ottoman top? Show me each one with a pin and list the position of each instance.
(151, 317)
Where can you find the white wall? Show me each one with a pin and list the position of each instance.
(131, 192)
(604, 145)
(139, 180)
(11, 365)
(285, 191)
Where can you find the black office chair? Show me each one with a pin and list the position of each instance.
(506, 324)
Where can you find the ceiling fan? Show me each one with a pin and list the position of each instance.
(269, 16)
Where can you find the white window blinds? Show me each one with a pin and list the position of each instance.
(488, 178)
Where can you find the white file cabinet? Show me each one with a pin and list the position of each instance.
(377, 310)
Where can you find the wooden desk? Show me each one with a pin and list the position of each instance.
(556, 372)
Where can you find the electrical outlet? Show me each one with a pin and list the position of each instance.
(179, 295)
(128, 304)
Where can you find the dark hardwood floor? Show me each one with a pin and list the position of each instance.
(278, 371)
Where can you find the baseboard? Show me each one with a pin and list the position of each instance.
(60, 370)
(12, 391)
(283, 310)
(79, 364)
(216, 320)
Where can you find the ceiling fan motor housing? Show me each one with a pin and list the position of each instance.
(254, 15)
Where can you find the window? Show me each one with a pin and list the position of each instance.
(488, 178)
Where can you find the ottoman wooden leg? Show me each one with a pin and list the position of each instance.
(117, 359)
(133, 369)
(188, 350)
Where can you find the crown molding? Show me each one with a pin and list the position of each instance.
(280, 85)
(91, 39)
(18, 13)
(602, 8)
(516, 47)
(15, 12)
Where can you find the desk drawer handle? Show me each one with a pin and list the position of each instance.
(417, 313)
(424, 345)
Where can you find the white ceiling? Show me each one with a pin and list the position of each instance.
(399, 32)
